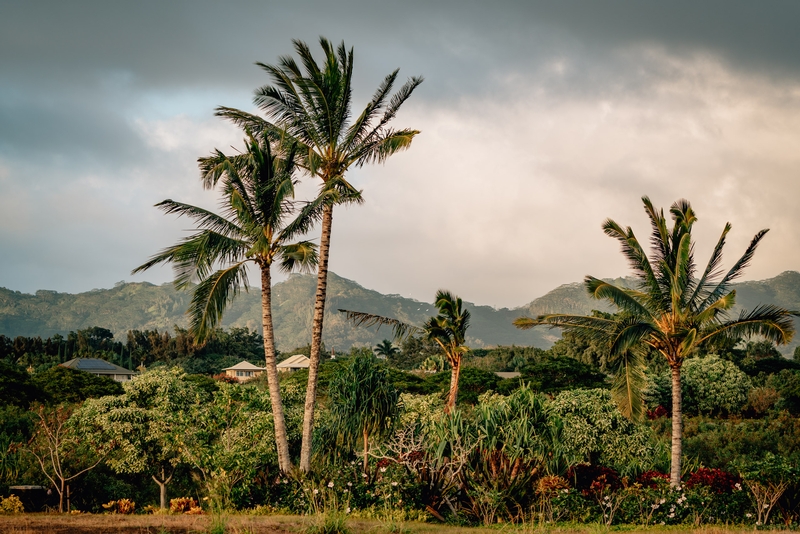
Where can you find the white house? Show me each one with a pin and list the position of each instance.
(244, 370)
(293, 363)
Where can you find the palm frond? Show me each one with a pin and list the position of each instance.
(194, 258)
(400, 330)
(627, 388)
(724, 285)
(623, 299)
(212, 295)
(711, 273)
(771, 322)
(203, 218)
(299, 257)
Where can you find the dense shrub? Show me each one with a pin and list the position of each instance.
(712, 385)
(715, 479)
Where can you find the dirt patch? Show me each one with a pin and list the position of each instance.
(143, 524)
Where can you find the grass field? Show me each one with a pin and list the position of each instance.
(247, 524)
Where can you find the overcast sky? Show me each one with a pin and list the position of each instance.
(538, 121)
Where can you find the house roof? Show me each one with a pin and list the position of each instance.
(507, 374)
(298, 361)
(244, 366)
(96, 366)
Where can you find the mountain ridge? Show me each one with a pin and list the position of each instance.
(146, 306)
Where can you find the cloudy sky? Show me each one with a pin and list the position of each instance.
(538, 121)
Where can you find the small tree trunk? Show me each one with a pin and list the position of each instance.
(677, 428)
(366, 451)
(453, 395)
(279, 421)
(316, 338)
(162, 487)
(61, 497)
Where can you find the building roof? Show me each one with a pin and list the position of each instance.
(507, 374)
(244, 366)
(298, 361)
(96, 366)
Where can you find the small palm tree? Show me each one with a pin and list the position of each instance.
(312, 106)
(257, 228)
(448, 329)
(386, 349)
(671, 310)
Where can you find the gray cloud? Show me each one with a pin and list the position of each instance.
(539, 120)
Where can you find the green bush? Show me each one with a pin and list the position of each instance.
(712, 385)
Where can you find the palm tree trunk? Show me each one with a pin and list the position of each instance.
(677, 428)
(316, 338)
(281, 437)
(451, 398)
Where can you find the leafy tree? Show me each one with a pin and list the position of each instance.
(556, 374)
(258, 190)
(759, 350)
(312, 106)
(227, 438)
(448, 329)
(386, 349)
(363, 402)
(60, 449)
(712, 385)
(64, 385)
(145, 424)
(595, 431)
(472, 383)
(672, 310)
(16, 386)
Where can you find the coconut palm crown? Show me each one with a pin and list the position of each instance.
(259, 222)
(674, 309)
(310, 104)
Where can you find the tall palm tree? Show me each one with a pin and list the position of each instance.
(671, 310)
(386, 349)
(448, 329)
(260, 220)
(312, 106)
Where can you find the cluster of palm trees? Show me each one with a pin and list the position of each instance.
(307, 126)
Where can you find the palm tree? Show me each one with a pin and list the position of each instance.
(258, 192)
(386, 349)
(311, 106)
(670, 310)
(448, 329)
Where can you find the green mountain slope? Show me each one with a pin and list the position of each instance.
(147, 306)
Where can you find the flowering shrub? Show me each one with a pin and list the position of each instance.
(652, 479)
(183, 505)
(593, 479)
(121, 506)
(715, 479)
(11, 505)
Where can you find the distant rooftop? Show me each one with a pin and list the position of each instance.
(96, 366)
(244, 366)
(297, 361)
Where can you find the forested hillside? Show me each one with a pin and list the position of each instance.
(143, 306)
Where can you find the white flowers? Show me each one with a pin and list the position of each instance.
(349, 484)
(316, 491)
(383, 469)
(347, 510)
(738, 486)
(330, 484)
(394, 483)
